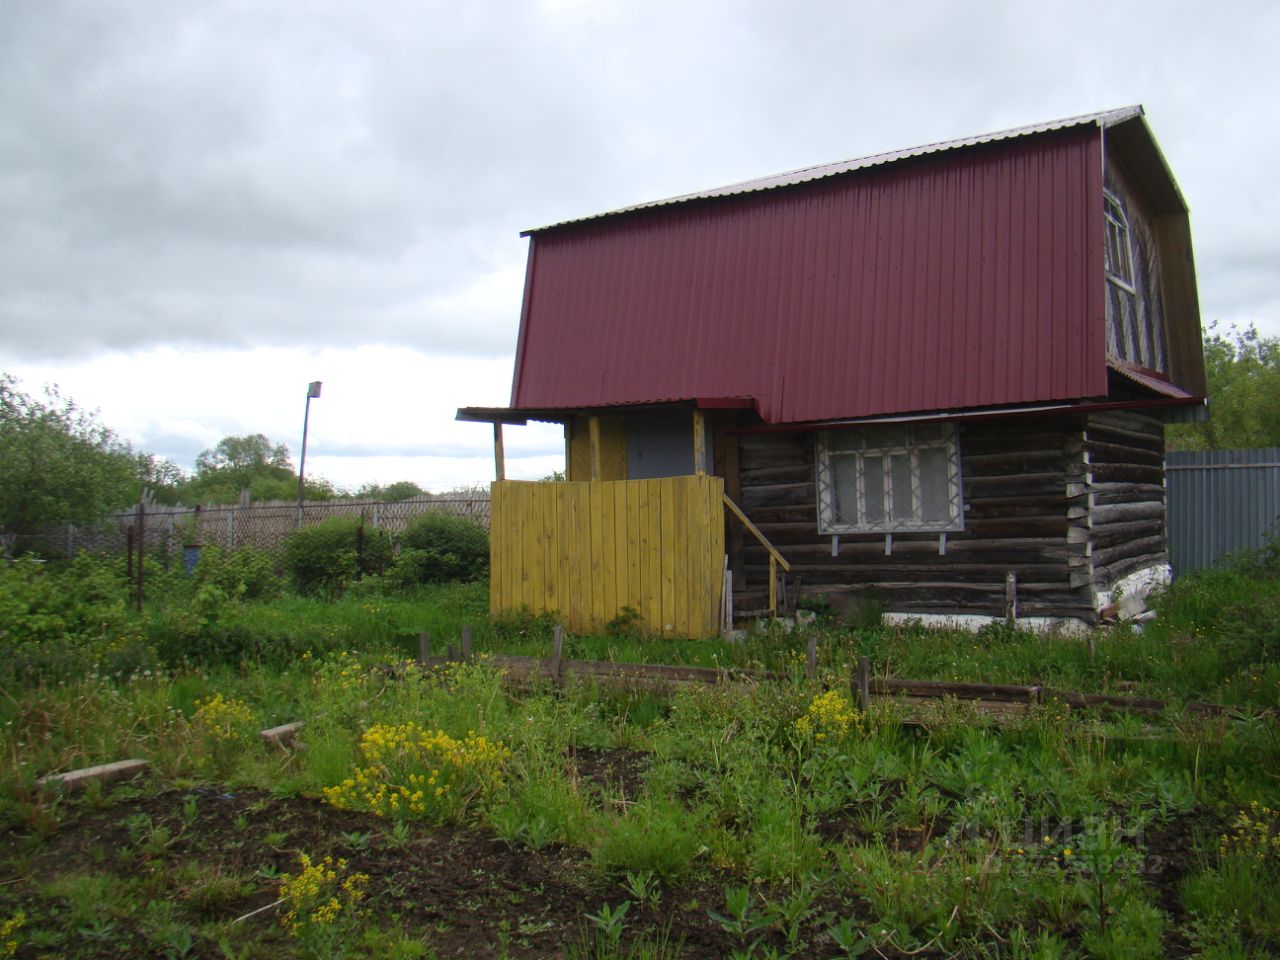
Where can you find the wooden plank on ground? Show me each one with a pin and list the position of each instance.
(103, 773)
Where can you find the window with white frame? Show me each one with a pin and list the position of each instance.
(889, 479)
(1124, 331)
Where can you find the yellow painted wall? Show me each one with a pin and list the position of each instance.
(585, 550)
(613, 448)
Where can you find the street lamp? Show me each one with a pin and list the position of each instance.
(313, 390)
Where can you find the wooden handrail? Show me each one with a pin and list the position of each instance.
(764, 542)
(775, 558)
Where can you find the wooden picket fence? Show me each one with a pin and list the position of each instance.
(646, 551)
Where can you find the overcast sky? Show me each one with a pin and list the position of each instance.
(204, 206)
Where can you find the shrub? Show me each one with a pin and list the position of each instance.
(61, 621)
(247, 573)
(323, 559)
(441, 547)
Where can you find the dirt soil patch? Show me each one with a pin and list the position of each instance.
(464, 893)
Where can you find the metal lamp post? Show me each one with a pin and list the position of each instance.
(313, 390)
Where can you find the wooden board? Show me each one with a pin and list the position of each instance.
(586, 550)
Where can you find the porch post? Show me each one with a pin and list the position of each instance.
(594, 427)
(499, 459)
(699, 443)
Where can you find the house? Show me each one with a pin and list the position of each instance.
(935, 379)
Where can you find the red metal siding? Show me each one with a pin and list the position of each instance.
(966, 279)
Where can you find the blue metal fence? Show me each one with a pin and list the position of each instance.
(1220, 501)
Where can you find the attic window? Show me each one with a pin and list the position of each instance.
(1119, 256)
(1128, 337)
(889, 479)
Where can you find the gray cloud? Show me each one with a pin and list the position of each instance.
(238, 174)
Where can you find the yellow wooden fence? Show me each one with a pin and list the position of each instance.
(586, 550)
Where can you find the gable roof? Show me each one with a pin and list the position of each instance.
(1102, 119)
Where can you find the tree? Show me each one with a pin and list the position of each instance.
(1242, 370)
(252, 463)
(250, 453)
(58, 464)
(400, 490)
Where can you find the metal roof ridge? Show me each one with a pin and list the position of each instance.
(1103, 118)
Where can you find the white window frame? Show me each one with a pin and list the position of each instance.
(910, 443)
(1129, 334)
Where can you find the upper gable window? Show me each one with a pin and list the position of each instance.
(1134, 330)
(1119, 253)
(889, 479)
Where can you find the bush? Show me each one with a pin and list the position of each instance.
(323, 559)
(440, 547)
(247, 573)
(59, 621)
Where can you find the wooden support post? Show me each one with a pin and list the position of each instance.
(466, 642)
(862, 685)
(557, 648)
(1010, 597)
(773, 586)
(811, 657)
(424, 647)
(699, 443)
(499, 456)
(453, 653)
(593, 428)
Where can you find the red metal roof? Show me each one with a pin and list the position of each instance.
(1104, 119)
(970, 278)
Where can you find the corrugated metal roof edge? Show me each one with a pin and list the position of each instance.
(521, 415)
(1104, 118)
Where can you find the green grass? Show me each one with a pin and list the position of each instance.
(1051, 835)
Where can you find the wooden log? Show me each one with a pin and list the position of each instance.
(1004, 462)
(283, 735)
(998, 527)
(1122, 437)
(1127, 419)
(1127, 472)
(778, 473)
(1143, 547)
(1114, 453)
(1108, 493)
(103, 773)
(1015, 486)
(777, 494)
(1114, 534)
(1016, 693)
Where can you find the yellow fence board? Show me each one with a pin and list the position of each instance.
(585, 550)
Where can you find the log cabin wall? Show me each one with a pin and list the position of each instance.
(1020, 479)
(1125, 496)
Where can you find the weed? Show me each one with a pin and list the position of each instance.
(643, 886)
